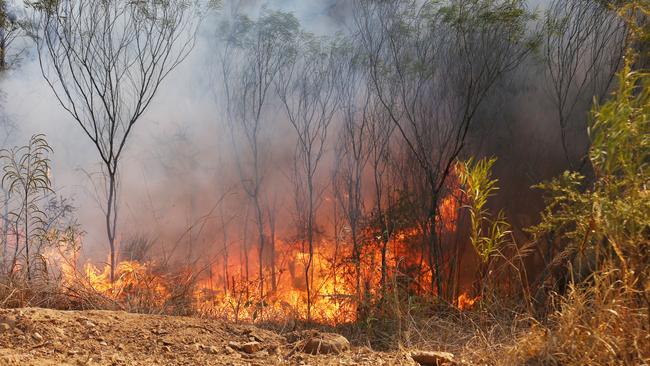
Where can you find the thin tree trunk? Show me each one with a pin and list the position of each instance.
(260, 231)
(111, 221)
(225, 256)
(5, 233)
(433, 249)
(272, 249)
(310, 239)
(26, 232)
(357, 268)
(384, 235)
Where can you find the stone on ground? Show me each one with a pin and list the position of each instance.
(432, 358)
(326, 343)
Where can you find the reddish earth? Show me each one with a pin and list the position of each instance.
(33, 336)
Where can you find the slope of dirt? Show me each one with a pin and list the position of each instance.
(34, 336)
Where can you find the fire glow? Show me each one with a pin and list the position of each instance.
(231, 290)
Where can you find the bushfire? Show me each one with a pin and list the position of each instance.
(229, 286)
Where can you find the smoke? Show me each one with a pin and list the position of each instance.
(179, 163)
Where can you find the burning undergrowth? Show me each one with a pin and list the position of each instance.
(221, 290)
(386, 271)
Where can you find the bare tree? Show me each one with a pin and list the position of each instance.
(264, 46)
(584, 42)
(308, 89)
(432, 66)
(105, 62)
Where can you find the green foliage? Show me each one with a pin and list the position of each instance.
(487, 14)
(27, 167)
(26, 177)
(47, 6)
(488, 234)
(272, 31)
(610, 215)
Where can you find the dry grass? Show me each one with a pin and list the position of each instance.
(604, 323)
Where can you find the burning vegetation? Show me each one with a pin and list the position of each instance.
(223, 289)
(353, 193)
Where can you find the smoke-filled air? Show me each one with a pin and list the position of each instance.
(324, 182)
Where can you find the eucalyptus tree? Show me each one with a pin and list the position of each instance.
(584, 42)
(254, 53)
(11, 28)
(105, 61)
(308, 87)
(380, 133)
(352, 153)
(431, 65)
(26, 176)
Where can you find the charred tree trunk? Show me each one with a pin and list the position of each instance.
(434, 255)
(272, 251)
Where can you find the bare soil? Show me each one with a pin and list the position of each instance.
(34, 336)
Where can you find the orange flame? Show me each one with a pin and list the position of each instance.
(231, 289)
(466, 302)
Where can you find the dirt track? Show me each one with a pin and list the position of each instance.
(49, 337)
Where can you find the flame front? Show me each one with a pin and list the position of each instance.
(230, 287)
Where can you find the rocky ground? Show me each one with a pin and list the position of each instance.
(33, 336)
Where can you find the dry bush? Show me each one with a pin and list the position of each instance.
(138, 287)
(600, 324)
(16, 292)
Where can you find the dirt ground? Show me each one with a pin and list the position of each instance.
(33, 336)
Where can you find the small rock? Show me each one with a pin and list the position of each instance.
(59, 331)
(117, 358)
(229, 350)
(11, 320)
(103, 343)
(197, 347)
(326, 343)
(431, 358)
(212, 350)
(37, 336)
(120, 347)
(59, 348)
(167, 349)
(89, 324)
(261, 354)
(234, 345)
(167, 342)
(4, 327)
(254, 336)
(251, 347)
(272, 348)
